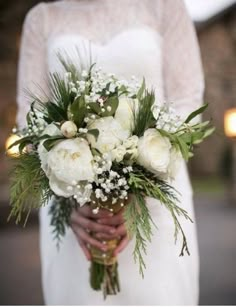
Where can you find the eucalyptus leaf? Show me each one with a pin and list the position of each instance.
(94, 132)
(95, 107)
(27, 139)
(209, 132)
(78, 111)
(183, 148)
(196, 113)
(112, 104)
(50, 143)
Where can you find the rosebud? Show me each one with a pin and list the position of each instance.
(68, 129)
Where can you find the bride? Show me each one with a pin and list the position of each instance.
(151, 38)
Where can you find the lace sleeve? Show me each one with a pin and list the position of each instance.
(182, 69)
(32, 69)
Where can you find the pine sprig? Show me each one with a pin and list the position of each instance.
(139, 224)
(29, 187)
(143, 117)
(60, 212)
(138, 219)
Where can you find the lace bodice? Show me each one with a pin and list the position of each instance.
(154, 39)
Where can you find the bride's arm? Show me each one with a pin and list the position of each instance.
(32, 65)
(182, 68)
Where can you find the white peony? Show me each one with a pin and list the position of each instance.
(69, 129)
(51, 130)
(68, 164)
(125, 112)
(111, 134)
(154, 152)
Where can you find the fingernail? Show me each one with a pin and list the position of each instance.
(110, 214)
(112, 230)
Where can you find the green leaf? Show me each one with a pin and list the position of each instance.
(22, 140)
(94, 132)
(95, 107)
(143, 117)
(195, 113)
(141, 90)
(78, 111)
(209, 132)
(50, 143)
(55, 112)
(183, 148)
(113, 103)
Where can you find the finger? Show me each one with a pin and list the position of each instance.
(106, 236)
(115, 220)
(84, 249)
(84, 236)
(121, 230)
(121, 246)
(91, 225)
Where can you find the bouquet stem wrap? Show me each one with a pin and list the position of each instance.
(104, 266)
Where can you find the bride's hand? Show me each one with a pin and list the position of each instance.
(118, 221)
(104, 224)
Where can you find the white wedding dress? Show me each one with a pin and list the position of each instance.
(151, 38)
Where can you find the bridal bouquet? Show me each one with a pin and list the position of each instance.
(105, 142)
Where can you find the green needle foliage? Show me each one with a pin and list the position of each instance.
(143, 117)
(60, 212)
(137, 216)
(29, 186)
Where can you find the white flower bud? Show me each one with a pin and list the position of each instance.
(69, 129)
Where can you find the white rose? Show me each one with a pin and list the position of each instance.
(154, 152)
(125, 112)
(133, 152)
(111, 134)
(131, 142)
(51, 130)
(118, 153)
(69, 129)
(175, 161)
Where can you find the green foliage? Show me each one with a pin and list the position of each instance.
(143, 117)
(55, 113)
(189, 135)
(138, 219)
(52, 141)
(60, 212)
(196, 113)
(22, 143)
(139, 224)
(94, 132)
(113, 103)
(29, 186)
(141, 90)
(77, 111)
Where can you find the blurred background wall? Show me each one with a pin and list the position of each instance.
(210, 168)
